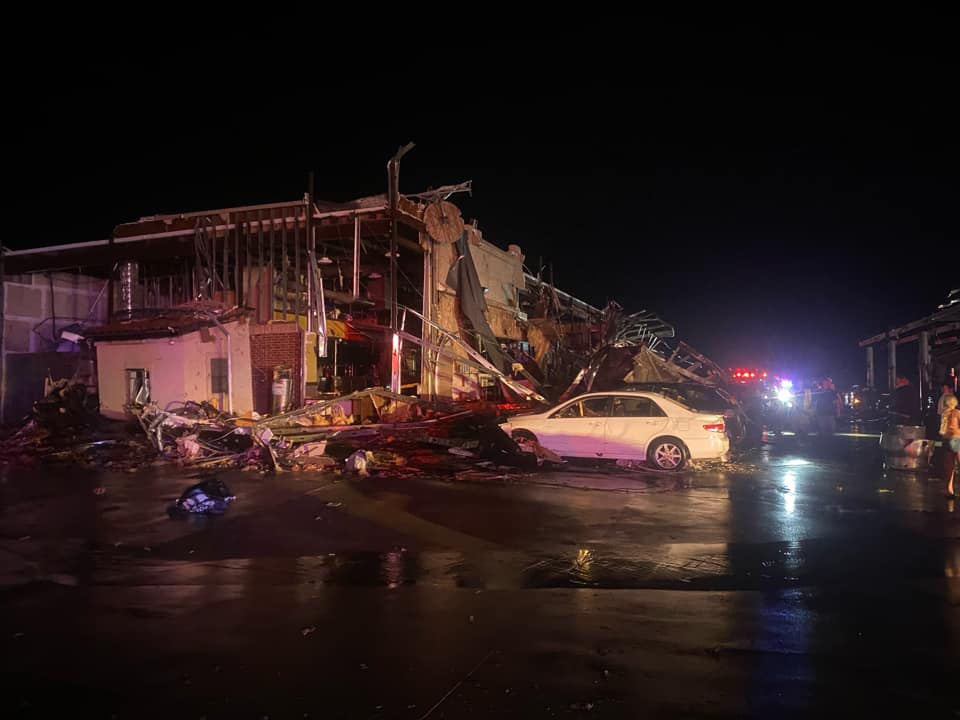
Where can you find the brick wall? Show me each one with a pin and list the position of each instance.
(271, 345)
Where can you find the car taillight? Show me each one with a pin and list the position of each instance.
(715, 427)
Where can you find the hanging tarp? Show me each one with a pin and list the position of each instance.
(465, 281)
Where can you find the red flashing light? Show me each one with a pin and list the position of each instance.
(510, 407)
(743, 375)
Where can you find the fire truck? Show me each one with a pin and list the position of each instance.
(768, 398)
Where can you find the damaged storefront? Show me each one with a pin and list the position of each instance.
(234, 316)
(336, 297)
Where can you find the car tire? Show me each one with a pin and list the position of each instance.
(523, 435)
(667, 453)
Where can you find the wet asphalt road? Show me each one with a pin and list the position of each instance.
(803, 579)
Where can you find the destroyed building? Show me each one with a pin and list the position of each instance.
(267, 307)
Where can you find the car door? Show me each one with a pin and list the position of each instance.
(577, 429)
(634, 421)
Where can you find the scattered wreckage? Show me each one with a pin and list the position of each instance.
(65, 426)
(372, 429)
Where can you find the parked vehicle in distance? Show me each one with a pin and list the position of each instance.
(626, 425)
(865, 404)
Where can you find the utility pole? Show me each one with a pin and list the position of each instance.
(393, 187)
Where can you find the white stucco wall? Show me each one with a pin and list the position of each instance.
(197, 380)
(179, 368)
(163, 360)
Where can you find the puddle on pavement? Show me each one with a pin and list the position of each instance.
(390, 569)
(749, 566)
(888, 558)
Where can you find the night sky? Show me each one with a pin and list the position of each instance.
(775, 193)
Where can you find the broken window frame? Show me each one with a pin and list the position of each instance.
(219, 381)
(138, 386)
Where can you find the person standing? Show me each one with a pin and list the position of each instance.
(950, 432)
(947, 392)
(905, 403)
(826, 410)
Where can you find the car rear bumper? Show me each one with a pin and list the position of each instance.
(714, 447)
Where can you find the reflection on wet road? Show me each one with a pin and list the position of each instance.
(801, 578)
(680, 566)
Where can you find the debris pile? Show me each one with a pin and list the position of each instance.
(373, 430)
(64, 427)
(369, 430)
(197, 434)
(66, 405)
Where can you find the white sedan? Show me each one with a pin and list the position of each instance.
(625, 425)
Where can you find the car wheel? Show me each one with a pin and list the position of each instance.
(523, 435)
(666, 453)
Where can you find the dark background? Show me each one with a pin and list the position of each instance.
(776, 191)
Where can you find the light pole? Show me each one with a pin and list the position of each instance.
(393, 187)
